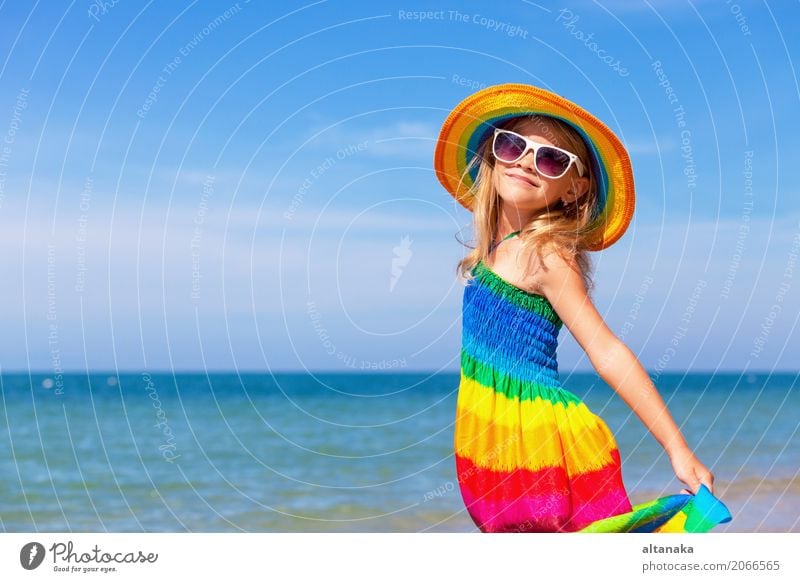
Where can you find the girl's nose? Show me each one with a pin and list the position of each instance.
(528, 160)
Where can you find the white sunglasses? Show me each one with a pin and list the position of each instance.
(553, 162)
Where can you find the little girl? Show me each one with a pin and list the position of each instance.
(551, 182)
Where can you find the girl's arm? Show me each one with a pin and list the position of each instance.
(618, 366)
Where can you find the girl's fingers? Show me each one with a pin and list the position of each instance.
(707, 479)
(708, 484)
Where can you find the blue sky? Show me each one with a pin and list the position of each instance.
(227, 185)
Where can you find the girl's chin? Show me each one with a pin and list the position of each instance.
(521, 202)
(520, 192)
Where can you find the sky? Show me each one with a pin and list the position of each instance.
(249, 186)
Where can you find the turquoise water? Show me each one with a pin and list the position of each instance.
(340, 452)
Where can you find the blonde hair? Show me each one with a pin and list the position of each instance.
(560, 228)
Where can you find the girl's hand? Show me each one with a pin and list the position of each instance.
(691, 471)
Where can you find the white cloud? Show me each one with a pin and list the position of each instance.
(403, 139)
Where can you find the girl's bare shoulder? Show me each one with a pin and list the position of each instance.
(541, 266)
(549, 270)
(522, 267)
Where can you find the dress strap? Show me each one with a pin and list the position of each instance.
(508, 236)
(516, 232)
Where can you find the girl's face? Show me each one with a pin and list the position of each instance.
(521, 186)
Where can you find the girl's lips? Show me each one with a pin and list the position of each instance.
(521, 179)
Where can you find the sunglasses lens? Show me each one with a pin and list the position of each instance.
(508, 147)
(551, 162)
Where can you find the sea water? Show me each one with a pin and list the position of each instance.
(161, 452)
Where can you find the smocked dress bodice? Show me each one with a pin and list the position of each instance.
(514, 330)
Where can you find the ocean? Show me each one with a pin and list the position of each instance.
(341, 452)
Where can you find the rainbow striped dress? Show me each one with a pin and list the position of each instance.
(530, 455)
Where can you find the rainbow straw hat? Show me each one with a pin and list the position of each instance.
(473, 121)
